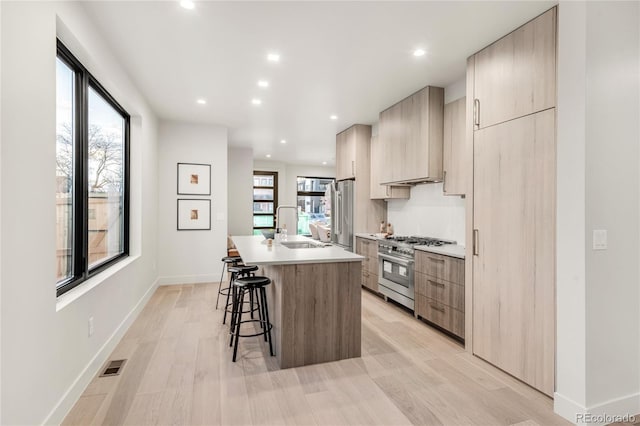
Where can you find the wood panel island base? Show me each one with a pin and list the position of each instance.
(314, 299)
(316, 312)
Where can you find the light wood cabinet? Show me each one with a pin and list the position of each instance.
(514, 215)
(368, 249)
(353, 161)
(455, 148)
(515, 76)
(346, 154)
(411, 136)
(512, 222)
(439, 291)
(378, 163)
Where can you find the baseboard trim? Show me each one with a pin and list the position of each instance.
(188, 279)
(71, 396)
(615, 410)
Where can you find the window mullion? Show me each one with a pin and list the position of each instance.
(80, 129)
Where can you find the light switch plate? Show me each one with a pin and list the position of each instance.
(599, 239)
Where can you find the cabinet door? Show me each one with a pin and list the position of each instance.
(346, 154)
(455, 148)
(394, 151)
(412, 150)
(378, 191)
(515, 76)
(514, 264)
(340, 156)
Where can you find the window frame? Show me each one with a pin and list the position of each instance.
(274, 201)
(310, 193)
(83, 82)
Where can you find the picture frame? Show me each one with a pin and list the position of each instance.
(194, 179)
(193, 214)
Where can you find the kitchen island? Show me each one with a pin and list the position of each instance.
(314, 298)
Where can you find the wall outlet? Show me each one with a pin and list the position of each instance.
(91, 329)
(599, 239)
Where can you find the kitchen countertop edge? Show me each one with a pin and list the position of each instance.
(254, 252)
(372, 237)
(452, 250)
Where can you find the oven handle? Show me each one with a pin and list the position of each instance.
(405, 262)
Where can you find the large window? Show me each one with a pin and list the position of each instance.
(92, 175)
(265, 201)
(311, 202)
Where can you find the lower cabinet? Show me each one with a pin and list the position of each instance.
(439, 285)
(440, 314)
(370, 280)
(368, 249)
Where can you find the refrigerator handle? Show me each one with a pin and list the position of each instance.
(338, 210)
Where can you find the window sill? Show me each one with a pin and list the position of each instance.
(77, 292)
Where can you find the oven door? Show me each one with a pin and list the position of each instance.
(396, 273)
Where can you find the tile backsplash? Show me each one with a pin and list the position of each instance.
(429, 213)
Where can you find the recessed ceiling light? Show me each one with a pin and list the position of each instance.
(263, 83)
(256, 101)
(187, 4)
(324, 163)
(273, 57)
(201, 101)
(283, 141)
(268, 155)
(419, 52)
(333, 117)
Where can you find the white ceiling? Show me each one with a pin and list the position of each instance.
(352, 59)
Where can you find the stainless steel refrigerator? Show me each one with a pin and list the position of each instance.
(341, 196)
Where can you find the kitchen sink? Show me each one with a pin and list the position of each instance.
(300, 244)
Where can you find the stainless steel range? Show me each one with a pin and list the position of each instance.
(396, 265)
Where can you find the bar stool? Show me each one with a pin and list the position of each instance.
(251, 284)
(237, 272)
(226, 261)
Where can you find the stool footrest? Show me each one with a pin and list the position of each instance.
(262, 333)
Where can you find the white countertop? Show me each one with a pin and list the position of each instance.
(452, 250)
(254, 251)
(374, 237)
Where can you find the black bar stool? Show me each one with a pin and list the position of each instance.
(226, 261)
(237, 272)
(242, 286)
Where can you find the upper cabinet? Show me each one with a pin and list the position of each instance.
(515, 76)
(346, 154)
(378, 191)
(455, 148)
(410, 134)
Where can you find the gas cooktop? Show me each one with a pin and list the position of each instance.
(404, 246)
(418, 241)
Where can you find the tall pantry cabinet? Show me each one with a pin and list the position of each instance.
(511, 91)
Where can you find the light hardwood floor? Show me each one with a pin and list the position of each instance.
(179, 371)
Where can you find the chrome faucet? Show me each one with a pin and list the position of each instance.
(278, 216)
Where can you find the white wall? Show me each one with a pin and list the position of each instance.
(456, 90)
(287, 185)
(47, 356)
(191, 256)
(428, 213)
(612, 169)
(240, 175)
(598, 291)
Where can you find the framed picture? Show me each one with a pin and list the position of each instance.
(194, 215)
(194, 179)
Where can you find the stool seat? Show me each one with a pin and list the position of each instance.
(226, 262)
(255, 281)
(243, 269)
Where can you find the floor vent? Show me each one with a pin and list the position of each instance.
(113, 368)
